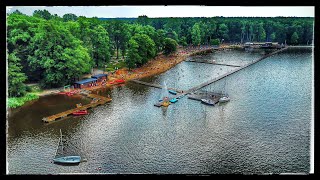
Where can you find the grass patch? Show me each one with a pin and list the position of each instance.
(36, 89)
(19, 101)
(113, 66)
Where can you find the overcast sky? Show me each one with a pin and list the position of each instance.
(172, 11)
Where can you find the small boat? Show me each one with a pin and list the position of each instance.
(80, 112)
(67, 160)
(120, 81)
(224, 99)
(208, 102)
(165, 104)
(60, 158)
(173, 100)
(172, 92)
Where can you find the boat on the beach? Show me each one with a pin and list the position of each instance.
(119, 81)
(63, 159)
(209, 102)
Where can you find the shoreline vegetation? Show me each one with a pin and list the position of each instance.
(158, 65)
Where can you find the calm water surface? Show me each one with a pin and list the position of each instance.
(265, 128)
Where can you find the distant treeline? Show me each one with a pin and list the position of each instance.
(56, 51)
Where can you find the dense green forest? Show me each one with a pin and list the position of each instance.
(56, 51)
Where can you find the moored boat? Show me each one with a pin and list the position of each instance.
(68, 160)
(224, 99)
(173, 100)
(208, 102)
(172, 92)
(61, 157)
(80, 112)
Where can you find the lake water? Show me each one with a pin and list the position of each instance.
(265, 128)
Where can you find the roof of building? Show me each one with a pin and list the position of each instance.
(99, 75)
(83, 81)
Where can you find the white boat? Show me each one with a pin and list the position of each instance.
(224, 99)
(208, 102)
(61, 158)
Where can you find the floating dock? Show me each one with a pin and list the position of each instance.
(100, 100)
(214, 96)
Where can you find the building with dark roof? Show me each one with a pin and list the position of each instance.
(100, 77)
(85, 83)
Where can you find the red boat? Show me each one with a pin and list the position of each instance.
(120, 81)
(80, 112)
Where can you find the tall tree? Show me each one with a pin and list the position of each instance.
(69, 17)
(45, 14)
(294, 38)
(16, 78)
(141, 47)
(170, 46)
(196, 34)
(223, 31)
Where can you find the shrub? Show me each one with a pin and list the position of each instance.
(19, 101)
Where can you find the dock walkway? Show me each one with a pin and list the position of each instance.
(195, 88)
(154, 85)
(231, 72)
(211, 62)
(100, 100)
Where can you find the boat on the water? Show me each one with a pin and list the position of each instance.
(165, 103)
(80, 112)
(209, 102)
(173, 100)
(172, 92)
(68, 160)
(61, 158)
(224, 99)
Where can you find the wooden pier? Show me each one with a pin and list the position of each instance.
(99, 101)
(223, 64)
(200, 95)
(154, 85)
(212, 62)
(231, 72)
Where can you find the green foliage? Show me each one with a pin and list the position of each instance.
(141, 49)
(183, 41)
(195, 33)
(101, 49)
(59, 60)
(69, 17)
(16, 78)
(170, 46)
(294, 38)
(19, 101)
(214, 42)
(223, 32)
(45, 14)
